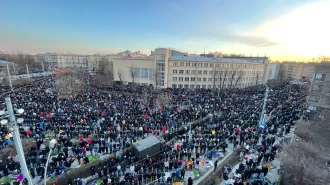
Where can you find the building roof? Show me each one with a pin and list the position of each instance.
(208, 59)
(3, 63)
(322, 69)
(147, 142)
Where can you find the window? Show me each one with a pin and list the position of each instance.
(216, 65)
(203, 86)
(204, 79)
(144, 72)
(180, 71)
(210, 79)
(175, 63)
(187, 64)
(192, 86)
(320, 77)
(186, 86)
(173, 85)
(194, 65)
(180, 85)
(199, 79)
(186, 79)
(209, 86)
(181, 64)
(187, 72)
(180, 79)
(174, 79)
(211, 65)
(193, 72)
(200, 65)
(198, 86)
(206, 65)
(192, 79)
(137, 72)
(204, 72)
(199, 72)
(175, 71)
(210, 72)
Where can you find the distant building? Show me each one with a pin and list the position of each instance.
(59, 60)
(96, 62)
(308, 70)
(274, 70)
(291, 70)
(320, 88)
(169, 68)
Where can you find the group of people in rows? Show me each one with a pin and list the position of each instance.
(104, 122)
(283, 112)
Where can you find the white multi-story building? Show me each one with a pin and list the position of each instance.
(66, 60)
(170, 69)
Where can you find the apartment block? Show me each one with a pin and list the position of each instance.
(320, 89)
(172, 69)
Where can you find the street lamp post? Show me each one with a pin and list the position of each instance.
(17, 139)
(52, 144)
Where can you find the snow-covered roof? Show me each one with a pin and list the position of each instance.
(209, 59)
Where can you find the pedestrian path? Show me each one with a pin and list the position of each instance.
(229, 151)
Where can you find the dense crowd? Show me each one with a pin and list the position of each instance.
(253, 169)
(99, 122)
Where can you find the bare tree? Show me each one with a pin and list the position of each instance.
(162, 100)
(323, 58)
(222, 81)
(122, 78)
(21, 60)
(258, 73)
(232, 78)
(132, 74)
(239, 78)
(104, 63)
(69, 85)
(302, 163)
(104, 78)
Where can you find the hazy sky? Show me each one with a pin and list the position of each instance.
(281, 29)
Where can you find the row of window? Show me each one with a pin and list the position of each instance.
(192, 79)
(140, 73)
(193, 72)
(195, 64)
(208, 86)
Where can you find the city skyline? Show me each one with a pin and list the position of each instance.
(295, 30)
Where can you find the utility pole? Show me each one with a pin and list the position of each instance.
(27, 71)
(264, 106)
(17, 141)
(9, 78)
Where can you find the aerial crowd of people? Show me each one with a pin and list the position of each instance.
(98, 122)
